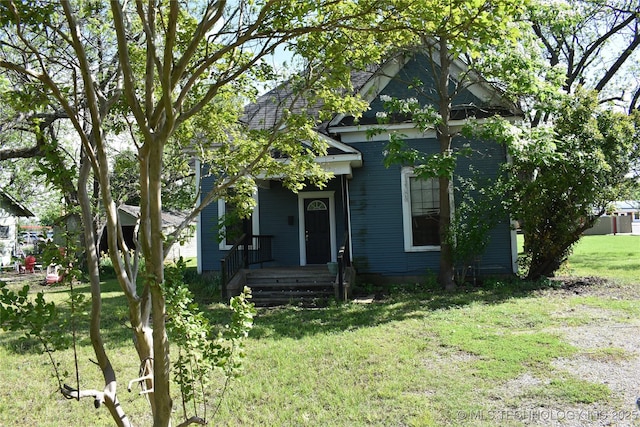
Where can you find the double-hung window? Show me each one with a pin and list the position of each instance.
(234, 225)
(421, 212)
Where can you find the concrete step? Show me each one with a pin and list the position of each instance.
(304, 285)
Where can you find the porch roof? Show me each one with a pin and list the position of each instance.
(12, 206)
(340, 159)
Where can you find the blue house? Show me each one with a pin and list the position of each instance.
(386, 218)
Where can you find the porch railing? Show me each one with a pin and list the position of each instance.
(344, 261)
(248, 250)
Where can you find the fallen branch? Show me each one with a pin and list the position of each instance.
(193, 420)
(72, 393)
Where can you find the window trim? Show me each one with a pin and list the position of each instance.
(255, 220)
(5, 234)
(406, 174)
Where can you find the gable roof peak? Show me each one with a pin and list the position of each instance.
(12, 206)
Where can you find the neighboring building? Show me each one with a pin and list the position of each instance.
(129, 216)
(623, 219)
(628, 208)
(390, 217)
(10, 212)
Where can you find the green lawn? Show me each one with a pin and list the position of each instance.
(616, 257)
(424, 358)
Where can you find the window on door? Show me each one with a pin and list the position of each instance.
(421, 212)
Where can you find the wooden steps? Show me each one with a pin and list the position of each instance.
(308, 285)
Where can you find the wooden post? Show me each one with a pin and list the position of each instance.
(247, 238)
(223, 280)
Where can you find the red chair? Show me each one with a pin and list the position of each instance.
(30, 264)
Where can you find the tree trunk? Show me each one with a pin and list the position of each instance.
(544, 267)
(155, 272)
(91, 257)
(447, 271)
(446, 274)
(548, 260)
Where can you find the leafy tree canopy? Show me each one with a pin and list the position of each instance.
(565, 175)
(173, 76)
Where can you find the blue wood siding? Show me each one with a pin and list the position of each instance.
(376, 215)
(276, 205)
(487, 158)
(375, 191)
(414, 71)
(208, 232)
(376, 207)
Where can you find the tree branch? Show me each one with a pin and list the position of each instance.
(22, 152)
(193, 420)
(579, 68)
(616, 66)
(634, 101)
(99, 397)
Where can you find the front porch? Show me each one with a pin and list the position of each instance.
(307, 285)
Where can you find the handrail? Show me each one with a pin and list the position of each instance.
(344, 261)
(246, 251)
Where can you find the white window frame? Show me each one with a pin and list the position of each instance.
(406, 174)
(255, 220)
(6, 232)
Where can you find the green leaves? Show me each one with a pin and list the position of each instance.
(35, 318)
(19, 312)
(565, 173)
(26, 13)
(478, 209)
(201, 349)
(397, 152)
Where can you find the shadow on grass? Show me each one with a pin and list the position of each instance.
(401, 304)
(114, 319)
(622, 262)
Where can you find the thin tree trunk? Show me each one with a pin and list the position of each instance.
(546, 264)
(91, 257)
(446, 274)
(155, 270)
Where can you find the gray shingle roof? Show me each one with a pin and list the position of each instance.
(267, 111)
(169, 219)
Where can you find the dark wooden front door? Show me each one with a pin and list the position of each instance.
(316, 231)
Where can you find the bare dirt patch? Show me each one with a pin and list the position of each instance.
(16, 280)
(609, 354)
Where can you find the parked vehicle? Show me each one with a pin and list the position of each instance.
(29, 238)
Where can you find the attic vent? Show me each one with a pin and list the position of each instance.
(317, 205)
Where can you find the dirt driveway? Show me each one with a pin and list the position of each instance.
(609, 354)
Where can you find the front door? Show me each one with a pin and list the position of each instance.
(317, 230)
